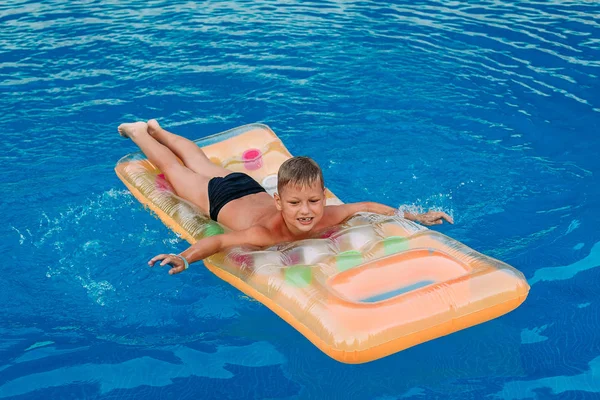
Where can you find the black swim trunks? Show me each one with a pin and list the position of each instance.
(233, 186)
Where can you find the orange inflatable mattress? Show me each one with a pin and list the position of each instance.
(370, 287)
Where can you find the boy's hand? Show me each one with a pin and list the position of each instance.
(174, 260)
(433, 218)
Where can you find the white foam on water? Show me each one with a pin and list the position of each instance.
(75, 238)
(436, 202)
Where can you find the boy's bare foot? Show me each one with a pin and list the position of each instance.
(153, 127)
(132, 129)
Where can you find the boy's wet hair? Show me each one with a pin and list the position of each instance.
(300, 171)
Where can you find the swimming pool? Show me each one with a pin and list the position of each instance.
(486, 110)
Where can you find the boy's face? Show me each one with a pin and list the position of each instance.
(301, 206)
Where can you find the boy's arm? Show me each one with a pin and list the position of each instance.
(206, 247)
(344, 211)
(338, 214)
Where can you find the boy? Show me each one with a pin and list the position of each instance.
(240, 203)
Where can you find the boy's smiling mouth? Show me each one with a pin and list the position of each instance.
(305, 220)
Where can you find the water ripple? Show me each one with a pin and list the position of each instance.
(489, 109)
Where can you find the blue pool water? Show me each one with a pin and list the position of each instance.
(488, 110)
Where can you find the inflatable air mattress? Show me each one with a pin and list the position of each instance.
(368, 288)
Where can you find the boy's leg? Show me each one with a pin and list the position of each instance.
(192, 156)
(189, 185)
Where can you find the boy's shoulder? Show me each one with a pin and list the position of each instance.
(256, 235)
(263, 234)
